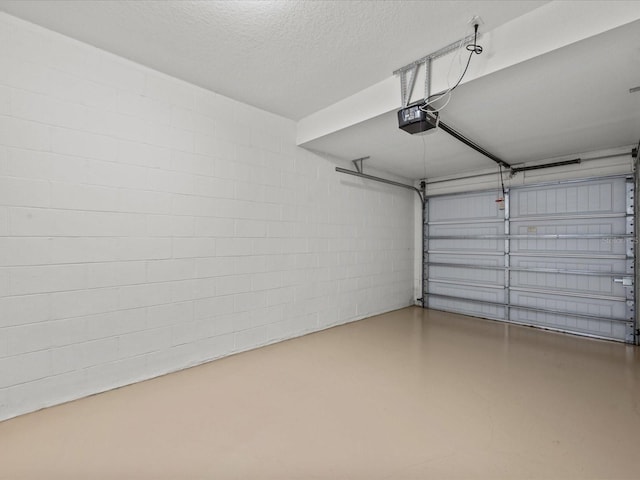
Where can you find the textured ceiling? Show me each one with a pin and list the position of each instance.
(288, 57)
(574, 99)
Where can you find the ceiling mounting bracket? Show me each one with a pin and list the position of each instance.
(407, 82)
(411, 69)
(427, 78)
(358, 164)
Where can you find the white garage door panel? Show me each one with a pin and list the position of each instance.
(464, 216)
(585, 265)
(452, 245)
(584, 284)
(569, 252)
(481, 245)
(573, 282)
(570, 227)
(467, 307)
(495, 295)
(604, 309)
(614, 331)
(594, 197)
(476, 206)
(486, 228)
(496, 260)
(464, 274)
(563, 225)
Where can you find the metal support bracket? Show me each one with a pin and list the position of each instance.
(631, 325)
(357, 163)
(630, 224)
(409, 72)
(625, 281)
(407, 82)
(427, 78)
(630, 194)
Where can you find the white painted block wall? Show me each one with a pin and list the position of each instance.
(147, 225)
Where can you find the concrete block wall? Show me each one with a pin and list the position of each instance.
(147, 225)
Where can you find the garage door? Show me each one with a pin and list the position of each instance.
(558, 256)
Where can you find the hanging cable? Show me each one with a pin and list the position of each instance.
(471, 48)
(447, 93)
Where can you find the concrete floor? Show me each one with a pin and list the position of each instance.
(411, 394)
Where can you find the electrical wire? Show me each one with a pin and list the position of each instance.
(471, 48)
(456, 58)
(433, 110)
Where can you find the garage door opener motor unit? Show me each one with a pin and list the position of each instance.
(422, 116)
(415, 120)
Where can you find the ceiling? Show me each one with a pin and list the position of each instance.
(574, 99)
(296, 57)
(288, 57)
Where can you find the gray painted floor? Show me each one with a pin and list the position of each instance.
(408, 395)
